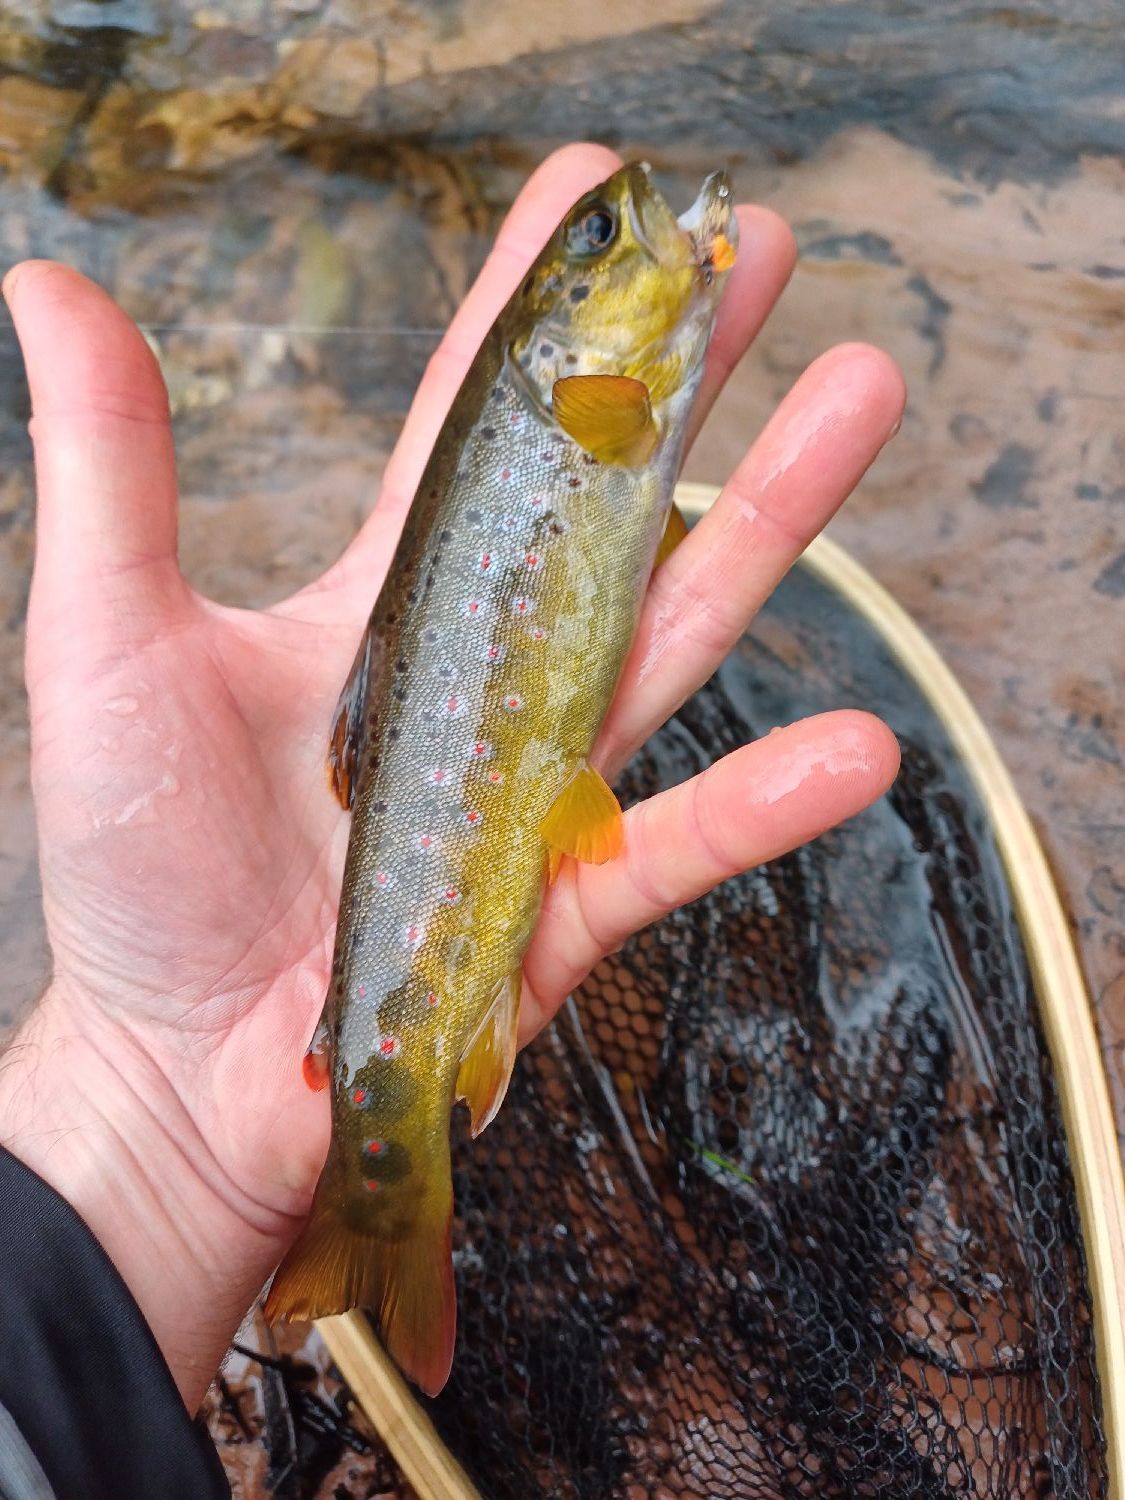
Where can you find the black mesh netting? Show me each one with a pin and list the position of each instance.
(782, 1206)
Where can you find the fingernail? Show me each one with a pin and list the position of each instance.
(8, 285)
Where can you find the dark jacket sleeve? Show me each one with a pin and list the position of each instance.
(82, 1381)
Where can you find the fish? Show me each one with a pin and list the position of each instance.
(462, 738)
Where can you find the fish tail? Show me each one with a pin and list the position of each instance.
(406, 1282)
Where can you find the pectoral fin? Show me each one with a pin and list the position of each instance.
(608, 415)
(675, 529)
(346, 743)
(486, 1068)
(585, 819)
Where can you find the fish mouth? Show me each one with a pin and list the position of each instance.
(711, 226)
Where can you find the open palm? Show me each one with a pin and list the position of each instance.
(191, 853)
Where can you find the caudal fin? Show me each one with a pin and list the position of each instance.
(406, 1283)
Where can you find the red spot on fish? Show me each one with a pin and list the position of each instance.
(360, 1096)
(472, 817)
(451, 894)
(371, 1185)
(454, 705)
(496, 776)
(537, 633)
(361, 990)
(374, 1147)
(495, 653)
(382, 878)
(314, 1070)
(538, 501)
(413, 934)
(485, 561)
(522, 606)
(505, 475)
(513, 703)
(534, 561)
(431, 998)
(388, 1046)
(473, 608)
(574, 482)
(425, 841)
(437, 776)
(482, 749)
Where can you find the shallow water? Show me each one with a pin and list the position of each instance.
(293, 195)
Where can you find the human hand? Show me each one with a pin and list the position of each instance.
(191, 855)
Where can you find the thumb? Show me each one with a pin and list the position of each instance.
(104, 462)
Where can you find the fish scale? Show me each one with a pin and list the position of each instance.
(490, 659)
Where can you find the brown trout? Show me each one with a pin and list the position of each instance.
(461, 738)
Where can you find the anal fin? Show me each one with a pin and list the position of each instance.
(585, 819)
(486, 1067)
(345, 744)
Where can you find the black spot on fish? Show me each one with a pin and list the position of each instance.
(400, 665)
(445, 536)
(488, 433)
(546, 350)
(473, 517)
(430, 636)
(579, 293)
(400, 694)
(387, 1084)
(528, 285)
(588, 458)
(572, 359)
(385, 1162)
(574, 481)
(556, 528)
(391, 617)
(379, 807)
(412, 597)
(392, 732)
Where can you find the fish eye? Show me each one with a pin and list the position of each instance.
(593, 231)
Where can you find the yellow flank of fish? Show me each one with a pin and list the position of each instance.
(461, 738)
